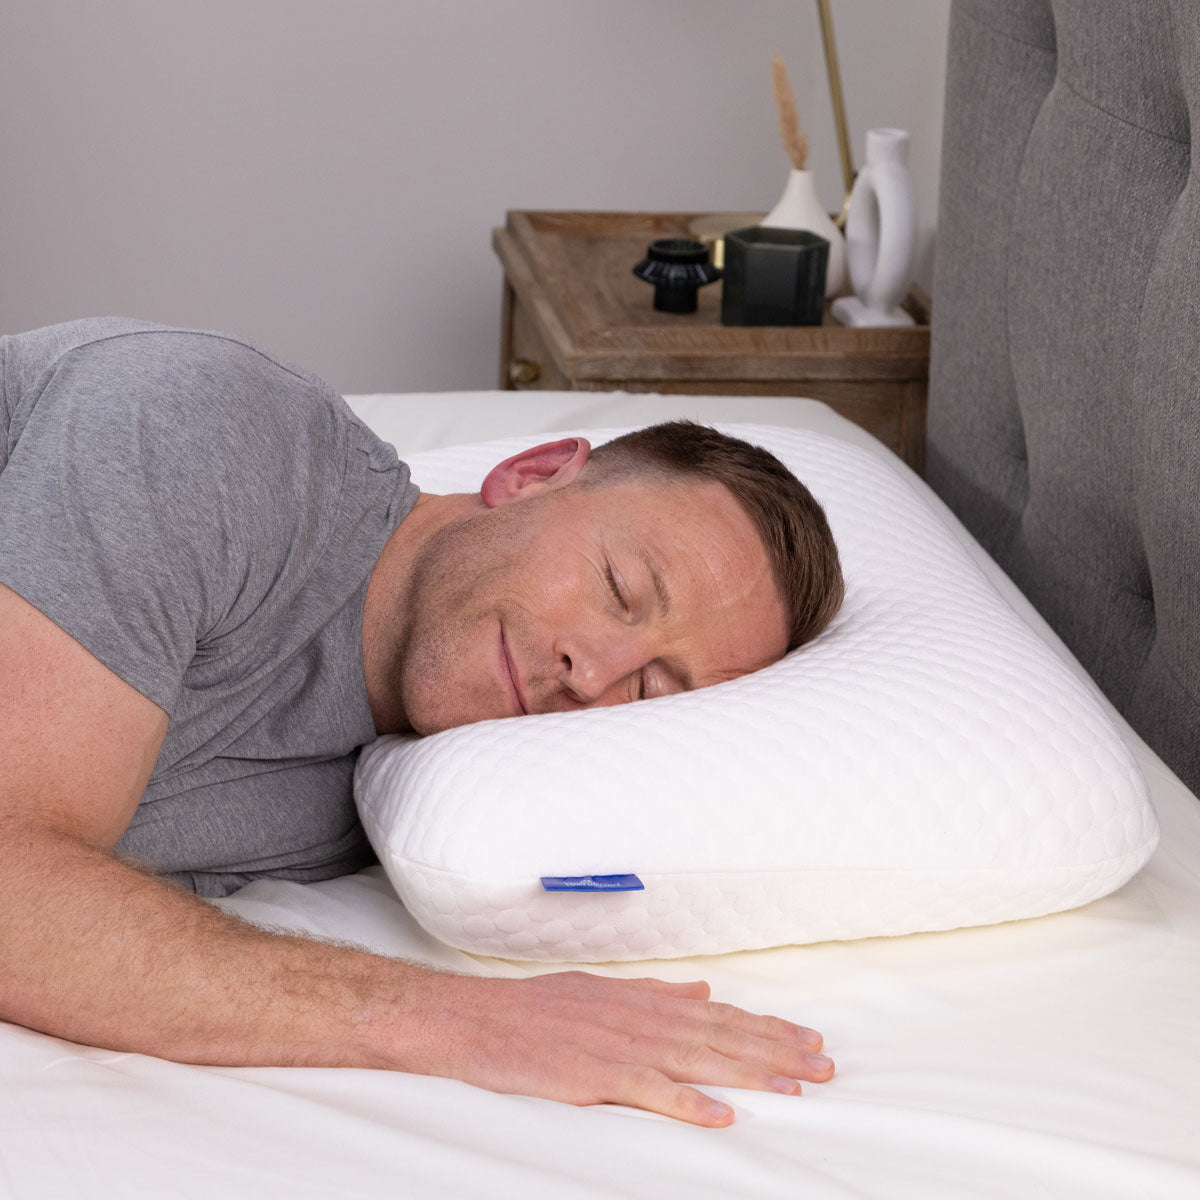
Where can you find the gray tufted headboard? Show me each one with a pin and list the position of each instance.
(1064, 412)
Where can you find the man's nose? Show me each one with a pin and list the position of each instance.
(596, 668)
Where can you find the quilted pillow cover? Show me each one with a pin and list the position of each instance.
(927, 763)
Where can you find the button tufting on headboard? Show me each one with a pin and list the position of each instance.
(1067, 321)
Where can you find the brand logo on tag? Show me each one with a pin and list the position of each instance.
(592, 883)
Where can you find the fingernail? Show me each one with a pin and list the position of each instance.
(782, 1084)
(719, 1110)
(811, 1036)
(819, 1062)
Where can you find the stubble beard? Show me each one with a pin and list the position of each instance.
(441, 662)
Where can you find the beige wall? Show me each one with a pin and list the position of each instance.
(322, 175)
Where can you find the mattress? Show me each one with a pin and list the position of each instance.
(1052, 1057)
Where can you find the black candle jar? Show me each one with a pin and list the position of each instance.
(774, 277)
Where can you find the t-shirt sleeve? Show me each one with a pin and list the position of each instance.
(141, 485)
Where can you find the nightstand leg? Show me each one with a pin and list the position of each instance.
(506, 339)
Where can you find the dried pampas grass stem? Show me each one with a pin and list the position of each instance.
(795, 140)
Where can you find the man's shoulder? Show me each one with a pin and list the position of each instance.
(201, 387)
(184, 365)
(37, 350)
(213, 365)
(185, 413)
(212, 409)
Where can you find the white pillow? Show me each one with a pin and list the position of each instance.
(927, 763)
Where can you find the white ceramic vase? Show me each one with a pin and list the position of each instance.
(881, 234)
(800, 208)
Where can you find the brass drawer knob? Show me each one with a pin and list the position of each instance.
(523, 371)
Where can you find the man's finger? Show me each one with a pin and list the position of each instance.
(714, 1014)
(779, 1057)
(763, 1026)
(690, 1062)
(720, 1044)
(696, 990)
(644, 1087)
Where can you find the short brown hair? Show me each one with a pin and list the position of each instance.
(790, 522)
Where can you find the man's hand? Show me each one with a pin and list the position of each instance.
(586, 1039)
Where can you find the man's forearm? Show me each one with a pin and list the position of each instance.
(98, 952)
(93, 950)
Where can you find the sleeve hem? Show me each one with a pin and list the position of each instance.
(156, 685)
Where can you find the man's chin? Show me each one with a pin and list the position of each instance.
(428, 723)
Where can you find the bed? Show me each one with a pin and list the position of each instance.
(1052, 1057)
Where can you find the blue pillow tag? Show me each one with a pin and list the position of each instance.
(592, 883)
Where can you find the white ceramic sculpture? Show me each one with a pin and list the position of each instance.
(881, 234)
(800, 208)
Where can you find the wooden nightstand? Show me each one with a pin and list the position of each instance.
(575, 318)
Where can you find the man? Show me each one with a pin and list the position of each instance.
(215, 584)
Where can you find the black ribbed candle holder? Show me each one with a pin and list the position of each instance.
(678, 268)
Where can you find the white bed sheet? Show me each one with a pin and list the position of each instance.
(1054, 1057)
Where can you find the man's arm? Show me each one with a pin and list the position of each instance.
(96, 951)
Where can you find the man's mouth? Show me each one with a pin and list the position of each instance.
(509, 674)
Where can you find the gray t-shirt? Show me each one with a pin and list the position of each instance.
(204, 520)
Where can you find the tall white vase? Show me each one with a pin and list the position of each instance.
(800, 208)
(881, 234)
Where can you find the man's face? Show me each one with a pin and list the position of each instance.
(579, 598)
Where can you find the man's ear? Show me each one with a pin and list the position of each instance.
(540, 469)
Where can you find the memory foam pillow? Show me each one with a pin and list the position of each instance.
(927, 763)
